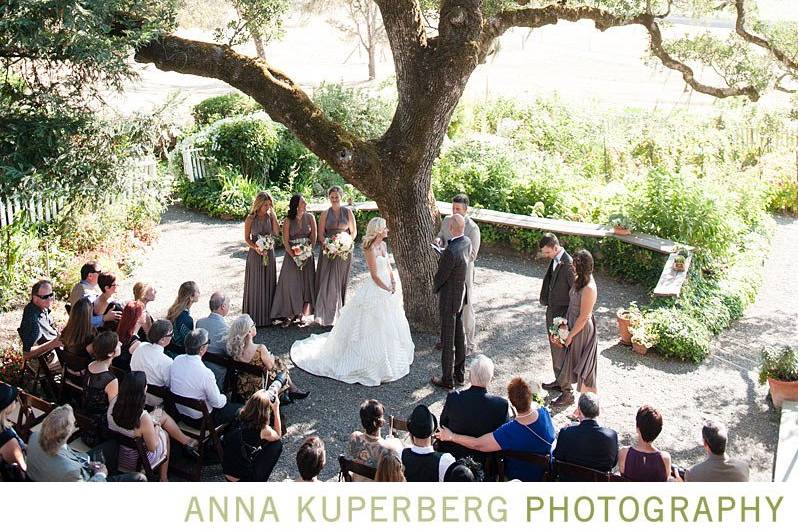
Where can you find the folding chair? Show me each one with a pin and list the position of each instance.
(140, 446)
(208, 430)
(565, 471)
(350, 466)
(73, 370)
(32, 411)
(37, 371)
(541, 460)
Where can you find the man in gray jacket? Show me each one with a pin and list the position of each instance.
(460, 206)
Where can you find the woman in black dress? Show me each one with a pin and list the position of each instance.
(253, 446)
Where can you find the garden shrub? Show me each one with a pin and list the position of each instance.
(679, 335)
(215, 108)
(246, 144)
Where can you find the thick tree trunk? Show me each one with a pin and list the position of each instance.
(412, 224)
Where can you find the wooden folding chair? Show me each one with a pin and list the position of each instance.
(37, 372)
(564, 471)
(541, 460)
(208, 430)
(32, 411)
(396, 424)
(73, 370)
(140, 446)
(350, 466)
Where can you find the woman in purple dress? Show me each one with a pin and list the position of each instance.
(260, 277)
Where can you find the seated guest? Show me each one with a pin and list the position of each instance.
(462, 471)
(100, 385)
(190, 378)
(78, 335)
(130, 332)
(51, 460)
(473, 411)
(150, 358)
(37, 330)
(717, 467)
(252, 447)
(310, 459)
(87, 287)
(588, 444)
(366, 447)
(389, 467)
(531, 431)
(146, 294)
(180, 316)
(217, 331)
(106, 306)
(423, 463)
(642, 462)
(127, 416)
(11, 445)
(242, 347)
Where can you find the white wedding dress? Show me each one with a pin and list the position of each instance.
(370, 342)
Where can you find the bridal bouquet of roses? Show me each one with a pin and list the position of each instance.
(301, 251)
(339, 245)
(559, 329)
(265, 243)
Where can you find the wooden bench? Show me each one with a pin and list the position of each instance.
(786, 467)
(669, 285)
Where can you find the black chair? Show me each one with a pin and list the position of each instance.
(541, 460)
(234, 368)
(73, 371)
(396, 424)
(350, 466)
(32, 411)
(208, 432)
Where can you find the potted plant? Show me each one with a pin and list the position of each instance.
(626, 317)
(780, 370)
(642, 338)
(679, 263)
(621, 224)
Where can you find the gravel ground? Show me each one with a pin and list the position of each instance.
(511, 332)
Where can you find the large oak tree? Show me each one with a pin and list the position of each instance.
(432, 68)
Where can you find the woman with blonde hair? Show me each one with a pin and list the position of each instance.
(332, 274)
(180, 316)
(260, 276)
(145, 293)
(390, 468)
(241, 346)
(371, 342)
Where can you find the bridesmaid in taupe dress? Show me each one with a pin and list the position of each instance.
(296, 288)
(332, 275)
(260, 280)
(581, 345)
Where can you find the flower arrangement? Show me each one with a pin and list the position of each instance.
(301, 251)
(11, 366)
(559, 329)
(265, 243)
(338, 246)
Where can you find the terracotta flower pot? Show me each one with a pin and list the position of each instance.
(781, 391)
(622, 231)
(678, 266)
(623, 328)
(640, 349)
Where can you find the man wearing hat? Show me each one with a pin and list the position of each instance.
(422, 462)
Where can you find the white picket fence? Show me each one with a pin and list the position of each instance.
(40, 207)
(195, 164)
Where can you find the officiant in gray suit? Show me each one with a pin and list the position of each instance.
(460, 206)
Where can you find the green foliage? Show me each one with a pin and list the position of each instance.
(247, 144)
(228, 105)
(357, 110)
(259, 19)
(678, 335)
(779, 363)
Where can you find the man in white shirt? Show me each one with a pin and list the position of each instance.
(217, 332)
(150, 358)
(190, 378)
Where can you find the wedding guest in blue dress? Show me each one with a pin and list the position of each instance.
(180, 316)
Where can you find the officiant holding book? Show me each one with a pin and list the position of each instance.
(460, 206)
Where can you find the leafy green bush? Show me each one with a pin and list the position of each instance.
(247, 144)
(678, 335)
(215, 108)
(779, 363)
(357, 110)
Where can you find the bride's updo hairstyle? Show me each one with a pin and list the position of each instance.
(376, 225)
(239, 329)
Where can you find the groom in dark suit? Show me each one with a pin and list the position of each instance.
(450, 285)
(555, 295)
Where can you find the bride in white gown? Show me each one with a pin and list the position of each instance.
(370, 343)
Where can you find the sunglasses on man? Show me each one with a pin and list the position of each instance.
(46, 296)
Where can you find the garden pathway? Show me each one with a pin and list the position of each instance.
(210, 252)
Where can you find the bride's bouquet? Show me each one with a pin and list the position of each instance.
(559, 329)
(265, 243)
(301, 251)
(339, 245)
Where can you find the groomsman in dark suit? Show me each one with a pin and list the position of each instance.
(450, 285)
(555, 295)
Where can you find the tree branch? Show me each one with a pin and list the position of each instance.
(603, 20)
(739, 27)
(279, 96)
